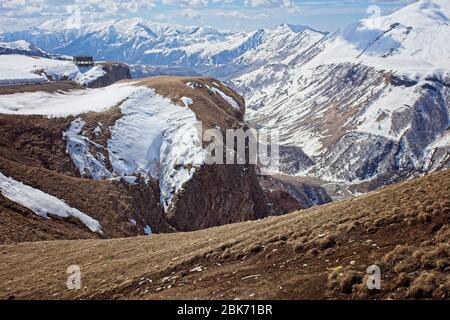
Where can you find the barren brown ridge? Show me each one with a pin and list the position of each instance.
(319, 253)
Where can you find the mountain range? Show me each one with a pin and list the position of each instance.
(203, 49)
(105, 165)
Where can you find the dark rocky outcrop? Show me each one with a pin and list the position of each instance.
(114, 71)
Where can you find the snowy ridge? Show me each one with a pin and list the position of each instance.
(17, 45)
(42, 203)
(34, 67)
(411, 41)
(156, 138)
(22, 47)
(67, 103)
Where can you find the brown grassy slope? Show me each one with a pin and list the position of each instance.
(18, 223)
(319, 253)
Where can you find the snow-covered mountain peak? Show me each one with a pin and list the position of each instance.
(297, 28)
(418, 14)
(413, 40)
(126, 24)
(363, 102)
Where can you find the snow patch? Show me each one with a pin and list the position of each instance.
(193, 85)
(187, 101)
(227, 98)
(63, 104)
(42, 203)
(97, 130)
(377, 118)
(147, 230)
(91, 75)
(78, 147)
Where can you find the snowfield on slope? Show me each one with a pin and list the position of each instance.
(153, 138)
(22, 69)
(156, 138)
(13, 76)
(54, 69)
(412, 41)
(42, 203)
(67, 103)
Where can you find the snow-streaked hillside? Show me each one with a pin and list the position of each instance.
(413, 40)
(130, 156)
(22, 47)
(42, 203)
(21, 63)
(153, 138)
(20, 69)
(368, 103)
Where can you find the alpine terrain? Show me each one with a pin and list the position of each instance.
(379, 85)
(105, 148)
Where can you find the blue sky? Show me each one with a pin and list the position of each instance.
(326, 15)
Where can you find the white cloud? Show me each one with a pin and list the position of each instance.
(241, 15)
(269, 3)
(186, 3)
(20, 14)
(191, 14)
(35, 8)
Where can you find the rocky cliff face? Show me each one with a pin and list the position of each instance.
(218, 194)
(107, 73)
